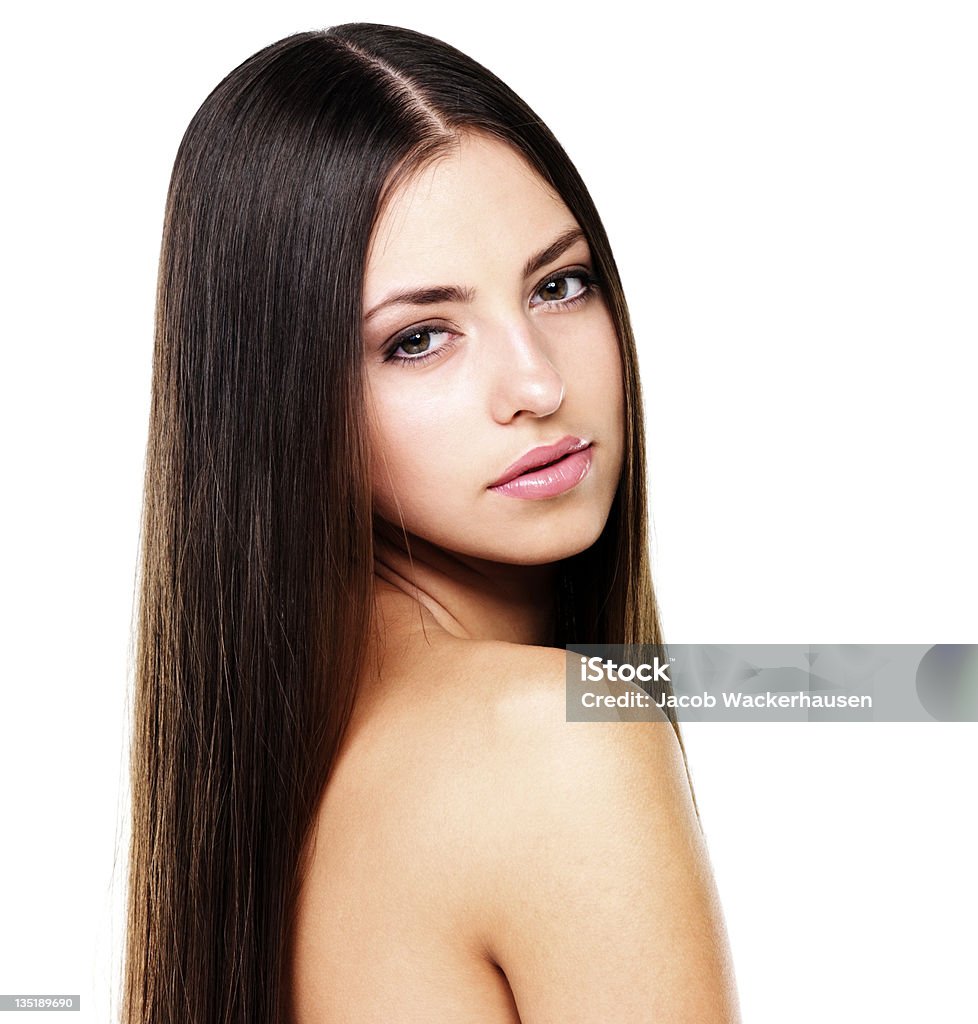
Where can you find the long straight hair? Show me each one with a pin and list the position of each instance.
(255, 582)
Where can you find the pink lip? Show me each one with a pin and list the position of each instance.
(548, 470)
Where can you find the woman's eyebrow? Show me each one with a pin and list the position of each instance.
(428, 296)
(556, 249)
(424, 297)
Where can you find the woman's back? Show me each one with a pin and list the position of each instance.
(386, 926)
(475, 853)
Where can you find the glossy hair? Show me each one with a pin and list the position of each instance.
(255, 587)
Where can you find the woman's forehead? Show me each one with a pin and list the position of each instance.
(479, 201)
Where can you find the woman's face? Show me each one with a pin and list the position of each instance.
(485, 341)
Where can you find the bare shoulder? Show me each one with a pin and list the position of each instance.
(597, 895)
(421, 785)
(567, 854)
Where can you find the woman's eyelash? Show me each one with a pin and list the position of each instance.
(414, 332)
(588, 282)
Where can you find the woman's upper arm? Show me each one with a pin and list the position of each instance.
(600, 903)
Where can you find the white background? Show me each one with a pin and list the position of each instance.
(790, 192)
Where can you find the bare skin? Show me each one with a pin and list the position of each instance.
(477, 858)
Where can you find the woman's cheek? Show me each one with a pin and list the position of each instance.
(405, 462)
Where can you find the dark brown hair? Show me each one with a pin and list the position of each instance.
(257, 554)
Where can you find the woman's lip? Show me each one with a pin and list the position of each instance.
(537, 458)
(551, 480)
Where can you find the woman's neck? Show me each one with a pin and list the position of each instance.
(468, 597)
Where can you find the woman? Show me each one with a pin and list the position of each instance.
(395, 464)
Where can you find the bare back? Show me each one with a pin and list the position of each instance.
(477, 859)
(384, 929)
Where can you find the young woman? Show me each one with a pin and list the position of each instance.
(395, 465)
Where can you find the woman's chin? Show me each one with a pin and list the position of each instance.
(542, 547)
(532, 541)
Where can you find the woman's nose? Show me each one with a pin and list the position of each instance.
(525, 381)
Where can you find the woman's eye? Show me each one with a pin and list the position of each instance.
(564, 287)
(418, 344)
